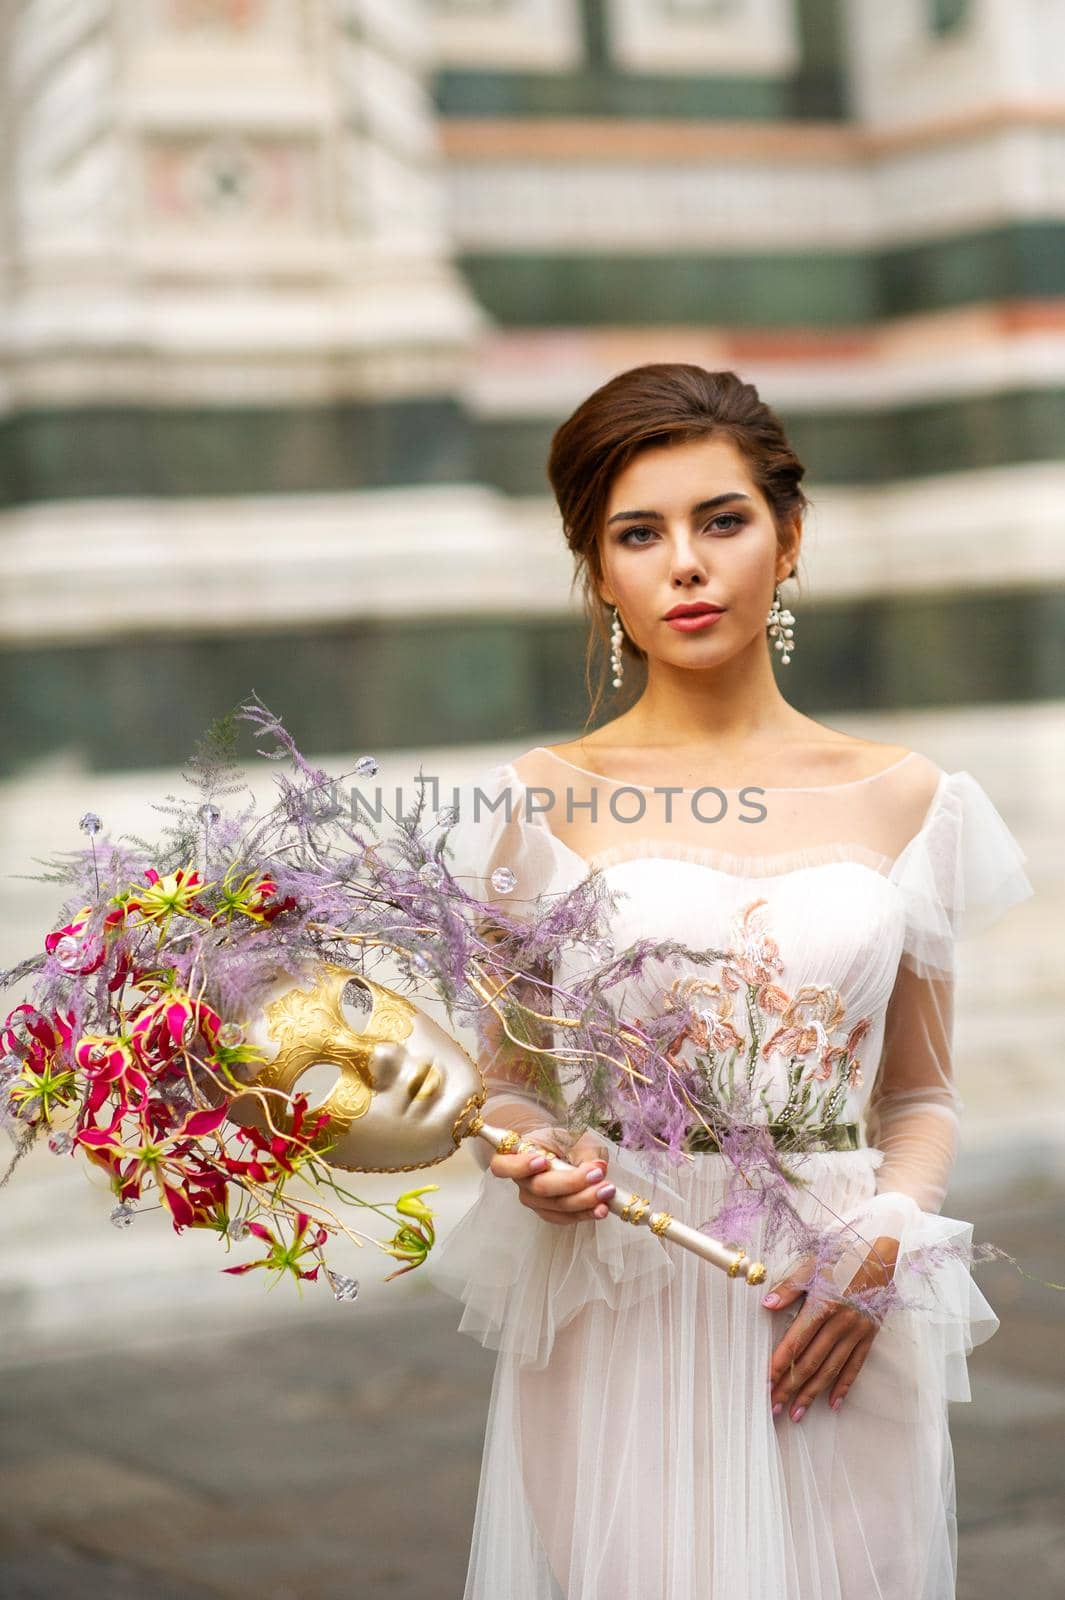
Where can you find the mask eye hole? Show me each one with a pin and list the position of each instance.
(356, 1003)
(317, 1083)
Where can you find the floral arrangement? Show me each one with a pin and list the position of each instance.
(126, 1054)
(128, 1050)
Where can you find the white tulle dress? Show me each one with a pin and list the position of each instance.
(630, 1450)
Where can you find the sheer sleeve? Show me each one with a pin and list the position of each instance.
(520, 1279)
(962, 871)
(492, 836)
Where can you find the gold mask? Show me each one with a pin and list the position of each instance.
(399, 1091)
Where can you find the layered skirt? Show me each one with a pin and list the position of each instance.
(631, 1452)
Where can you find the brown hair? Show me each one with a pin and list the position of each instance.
(660, 403)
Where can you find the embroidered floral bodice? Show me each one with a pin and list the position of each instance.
(834, 911)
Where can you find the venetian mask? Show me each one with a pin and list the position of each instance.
(397, 1087)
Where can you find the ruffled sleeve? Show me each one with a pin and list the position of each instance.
(500, 851)
(522, 1279)
(497, 834)
(960, 873)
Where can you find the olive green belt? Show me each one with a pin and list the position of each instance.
(826, 1136)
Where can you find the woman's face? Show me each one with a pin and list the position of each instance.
(685, 524)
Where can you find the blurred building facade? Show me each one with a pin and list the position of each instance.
(294, 292)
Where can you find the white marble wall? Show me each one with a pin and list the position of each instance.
(508, 35)
(1007, 53)
(726, 37)
(209, 198)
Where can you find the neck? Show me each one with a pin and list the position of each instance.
(724, 708)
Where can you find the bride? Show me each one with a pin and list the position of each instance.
(657, 1431)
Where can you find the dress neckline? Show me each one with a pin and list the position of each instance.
(795, 788)
(709, 856)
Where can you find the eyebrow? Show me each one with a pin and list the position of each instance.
(703, 505)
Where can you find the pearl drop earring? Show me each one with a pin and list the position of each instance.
(616, 636)
(779, 622)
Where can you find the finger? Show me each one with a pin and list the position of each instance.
(584, 1196)
(518, 1164)
(789, 1288)
(557, 1181)
(822, 1360)
(849, 1372)
(804, 1328)
(825, 1375)
(789, 1370)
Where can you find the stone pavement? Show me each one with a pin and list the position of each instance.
(332, 1453)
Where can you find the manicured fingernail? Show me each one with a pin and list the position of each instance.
(836, 1403)
(778, 1408)
(595, 1174)
(538, 1163)
(607, 1190)
(798, 1414)
(771, 1300)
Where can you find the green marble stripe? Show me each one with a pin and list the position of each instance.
(376, 686)
(84, 452)
(819, 288)
(844, 448)
(464, 92)
(104, 451)
(601, 87)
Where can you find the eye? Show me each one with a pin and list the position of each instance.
(356, 1005)
(730, 517)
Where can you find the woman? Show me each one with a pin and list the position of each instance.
(658, 1431)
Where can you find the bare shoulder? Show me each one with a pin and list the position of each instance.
(590, 756)
(911, 778)
(844, 757)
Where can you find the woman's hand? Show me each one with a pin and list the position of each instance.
(827, 1343)
(559, 1197)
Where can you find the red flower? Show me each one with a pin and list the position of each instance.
(161, 1156)
(281, 1257)
(282, 1152)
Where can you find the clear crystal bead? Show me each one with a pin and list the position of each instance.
(89, 823)
(68, 952)
(447, 816)
(230, 1034)
(122, 1215)
(366, 766)
(237, 1229)
(208, 813)
(421, 962)
(431, 872)
(344, 1288)
(60, 1142)
(503, 880)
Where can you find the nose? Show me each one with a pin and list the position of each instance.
(687, 569)
(386, 1062)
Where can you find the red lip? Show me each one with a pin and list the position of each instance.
(699, 609)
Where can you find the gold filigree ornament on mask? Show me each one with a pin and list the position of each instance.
(400, 1093)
